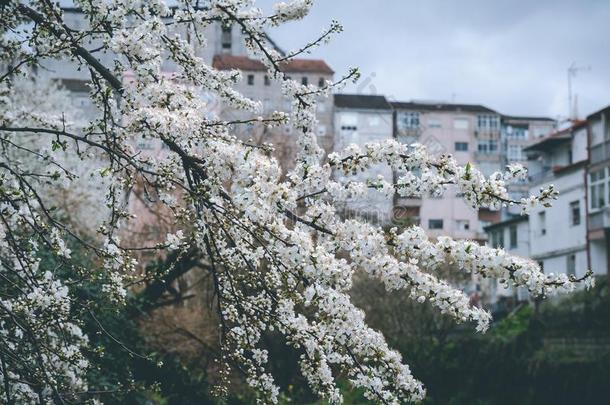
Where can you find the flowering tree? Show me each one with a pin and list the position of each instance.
(281, 257)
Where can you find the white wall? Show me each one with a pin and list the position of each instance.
(372, 126)
(579, 145)
(561, 237)
(598, 256)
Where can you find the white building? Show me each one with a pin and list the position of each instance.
(360, 119)
(598, 182)
(259, 86)
(558, 235)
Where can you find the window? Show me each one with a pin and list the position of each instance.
(408, 120)
(483, 224)
(575, 213)
(321, 82)
(321, 130)
(145, 145)
(516, 132)
(225, 38)
(435, 224)
(460, 123)
(542, 222)
(539, 132)
(349, 118)
(433, 123)
(461, 146)
(515, 153)
(571, 265)
(349, 122)
(521, 133)
(304, 81)
(348, 128)
(597, 189)
(488, 122)
(250, 80)
(488, 146)
(267, 81)
(462, 224)
(512, 232)
(497, 238)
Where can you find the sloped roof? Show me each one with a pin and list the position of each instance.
(598, 113)
(227, 62)
(523, 118)
(509, 221)
(75, 85)
(556, 138)
(362, 101)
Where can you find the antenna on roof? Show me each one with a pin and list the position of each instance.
(572, 100)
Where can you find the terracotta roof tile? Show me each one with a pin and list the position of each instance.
(226, 62)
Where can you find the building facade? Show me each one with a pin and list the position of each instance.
(360, 119)
(516, 134)
(225, 49)
(470, 133)
(556, 237)
(598, 183)
(558, 234)
(257, 85)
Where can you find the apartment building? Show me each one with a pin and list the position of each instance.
(360, 119)
(257, 85)
(598, 182)
(558, 235)
(517, 133)
(469, 132)
(225, 49)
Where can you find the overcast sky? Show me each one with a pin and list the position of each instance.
(510, 55)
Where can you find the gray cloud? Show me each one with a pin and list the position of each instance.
(508, 55)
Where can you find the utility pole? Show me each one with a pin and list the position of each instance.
(572, 71)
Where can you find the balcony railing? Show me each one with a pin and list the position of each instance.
(540, 177)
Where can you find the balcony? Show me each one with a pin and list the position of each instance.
(407, 201)
(542, 176)
(409, 132)
(599, 219)
(493, 133)
(600, 152)
(405, 216)
(493, 156)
